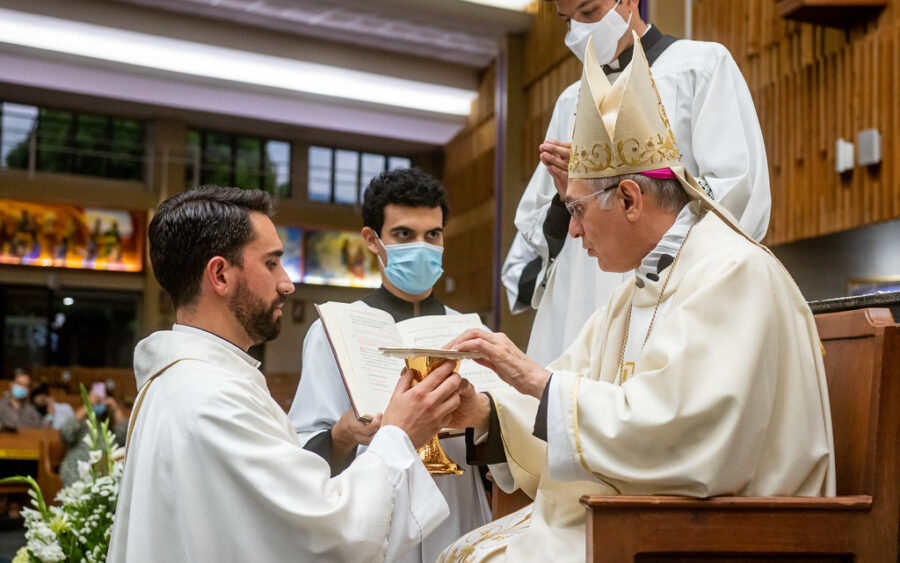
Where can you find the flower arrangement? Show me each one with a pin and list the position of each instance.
(79, 528)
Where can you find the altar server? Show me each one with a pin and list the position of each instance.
(214, 470)
(714, 122)
(404, 212)
(703, 375)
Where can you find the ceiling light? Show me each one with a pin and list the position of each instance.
(68, 301)
(518, 5)
(198, 59)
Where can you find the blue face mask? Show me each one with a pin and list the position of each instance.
(100, 409)
(412, 267)
(19, 392)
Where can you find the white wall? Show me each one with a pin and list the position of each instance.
(822, 266)
(283, 354)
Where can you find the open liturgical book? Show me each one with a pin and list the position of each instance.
(358, 334)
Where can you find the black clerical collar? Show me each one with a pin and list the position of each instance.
(401, 309)
(650, 38)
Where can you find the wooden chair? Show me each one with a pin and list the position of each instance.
(862, 365)
(51, 454)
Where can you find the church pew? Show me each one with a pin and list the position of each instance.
(50, 456)
(505, 503)
(123, 388)
(862, 365)
(60, 395)
(25, 443)
(25, 451)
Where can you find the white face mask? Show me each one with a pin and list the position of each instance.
(606, 34)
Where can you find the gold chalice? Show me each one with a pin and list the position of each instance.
(432, 454)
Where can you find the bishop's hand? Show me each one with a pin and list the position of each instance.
(474, 409)
(505, 359)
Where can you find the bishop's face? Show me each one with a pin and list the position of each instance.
(260, 290)
(604, 233)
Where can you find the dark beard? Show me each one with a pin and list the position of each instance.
(257, 318)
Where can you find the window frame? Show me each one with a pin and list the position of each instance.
(73, 155)
(198, 167)
(360, 188)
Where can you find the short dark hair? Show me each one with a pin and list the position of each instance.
(405, 186)
(42, 389)
(193, 227)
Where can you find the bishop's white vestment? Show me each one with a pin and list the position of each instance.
(321, 399)
(727, 397)
(215, 472)
(714, 121)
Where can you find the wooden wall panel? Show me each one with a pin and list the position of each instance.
(548, 68)
(469, 178)
(544, 48)
(812, 85)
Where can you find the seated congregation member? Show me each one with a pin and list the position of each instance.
(404, 213)
(214, 470)
(73, 431)
(15, 409)
(702, 376)
(55, 413)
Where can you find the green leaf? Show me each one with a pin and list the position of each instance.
(39, 500)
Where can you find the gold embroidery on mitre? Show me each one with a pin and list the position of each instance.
(611, 141)
(628, 153)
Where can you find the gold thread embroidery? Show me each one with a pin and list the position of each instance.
(488, 533)
(599, 157)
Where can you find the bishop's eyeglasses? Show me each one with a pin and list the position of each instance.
(576, 208)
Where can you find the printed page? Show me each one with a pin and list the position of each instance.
(356, 332)
(433, 331)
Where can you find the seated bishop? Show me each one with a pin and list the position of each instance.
(702, 376)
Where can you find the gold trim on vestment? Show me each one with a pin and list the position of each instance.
(578, 439)
(142, 392)
(506, 448)
(466, 553)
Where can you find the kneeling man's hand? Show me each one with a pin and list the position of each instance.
(422, 411)
(505, 359)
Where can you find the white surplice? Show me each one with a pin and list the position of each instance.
(715, 125)
(320, 401)
(215, 472)
(728, 397)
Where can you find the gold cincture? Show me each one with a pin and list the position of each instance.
(432, 454)
(626, 369)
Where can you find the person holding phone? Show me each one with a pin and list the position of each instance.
(73, 431)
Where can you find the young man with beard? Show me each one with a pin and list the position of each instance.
(404, 212)
(214, 470)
